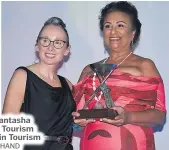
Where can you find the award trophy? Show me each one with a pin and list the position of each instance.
(98, 111)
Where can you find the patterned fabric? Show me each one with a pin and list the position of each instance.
(134, 93)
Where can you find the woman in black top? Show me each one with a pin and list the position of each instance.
(38, 90)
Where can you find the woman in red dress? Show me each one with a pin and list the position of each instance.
(135, 87)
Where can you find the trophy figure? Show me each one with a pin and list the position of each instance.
(98, 111)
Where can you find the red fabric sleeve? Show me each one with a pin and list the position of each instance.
(160, 103)
(79, 91)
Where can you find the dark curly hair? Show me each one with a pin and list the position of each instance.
(125, 7)
(56, 22)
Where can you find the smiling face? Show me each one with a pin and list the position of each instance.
(52, 45)
(117, 31)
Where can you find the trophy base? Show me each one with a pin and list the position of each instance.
(97, 113)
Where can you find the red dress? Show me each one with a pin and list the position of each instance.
(134, 93)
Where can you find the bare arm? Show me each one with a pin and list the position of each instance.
(153, 116)
(150, 117)
(15, 92)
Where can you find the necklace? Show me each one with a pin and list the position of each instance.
(94, 78)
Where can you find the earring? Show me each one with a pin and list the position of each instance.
(104, 51)
(36, 61)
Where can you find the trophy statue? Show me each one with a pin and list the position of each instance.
(98, 111)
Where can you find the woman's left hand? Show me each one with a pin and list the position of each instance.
(121, 119)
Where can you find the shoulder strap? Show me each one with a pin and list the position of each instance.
(64, 82)
(23, 68)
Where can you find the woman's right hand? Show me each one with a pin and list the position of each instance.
(81, 122)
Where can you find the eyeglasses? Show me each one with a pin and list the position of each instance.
(45, 42)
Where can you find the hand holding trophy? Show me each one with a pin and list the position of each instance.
(98, 111)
